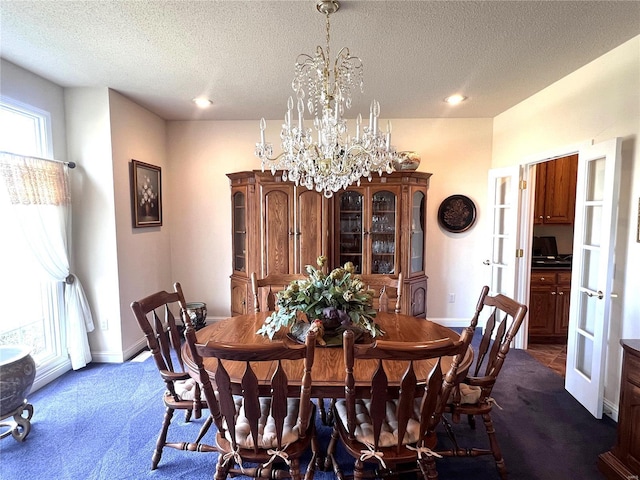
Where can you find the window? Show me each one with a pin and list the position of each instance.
(31, 306)
(26, 130)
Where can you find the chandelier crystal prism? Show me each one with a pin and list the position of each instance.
(328, 159)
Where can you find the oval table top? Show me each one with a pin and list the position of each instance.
(328, 372)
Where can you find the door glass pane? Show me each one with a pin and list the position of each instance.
(595, 180)
(239, 232)
(350, 224)
(503, 189)
(417, 232)
(593, 225)
(383, 232)
(584, 355)
(590, 264)
(497, 282)
(501, 221)
(587, 313)
(499, 251)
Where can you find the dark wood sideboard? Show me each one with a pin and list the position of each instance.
(622, 462)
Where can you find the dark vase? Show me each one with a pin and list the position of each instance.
(333, 329)
(17, 372)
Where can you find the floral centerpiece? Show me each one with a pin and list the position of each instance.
(327, 303)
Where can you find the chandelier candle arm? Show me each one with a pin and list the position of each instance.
(336, 160)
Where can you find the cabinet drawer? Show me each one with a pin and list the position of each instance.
(543, 278)
(564, 278)
(633, 370)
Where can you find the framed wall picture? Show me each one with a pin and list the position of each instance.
(146, 194)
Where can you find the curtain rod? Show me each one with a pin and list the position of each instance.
(68, 164)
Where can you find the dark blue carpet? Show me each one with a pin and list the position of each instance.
(102, 423)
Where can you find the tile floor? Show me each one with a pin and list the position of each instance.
(552, 356)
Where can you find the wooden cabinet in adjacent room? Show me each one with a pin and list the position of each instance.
(555, 200)
(379, 226)
(622, 462)
(549, 306)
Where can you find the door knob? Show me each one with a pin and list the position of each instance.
(591, 293)
(486, 262)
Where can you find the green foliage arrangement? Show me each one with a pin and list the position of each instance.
(339, 300)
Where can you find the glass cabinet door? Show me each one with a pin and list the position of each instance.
(417, 232)
(350, 229)
(239, 232)
(383, 232)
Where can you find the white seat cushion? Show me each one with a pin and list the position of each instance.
(185, 389)
(266, 425)
(389, 433)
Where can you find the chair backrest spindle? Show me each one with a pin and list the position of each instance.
(271, 284)
(387, 287)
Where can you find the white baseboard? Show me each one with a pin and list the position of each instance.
(119, 357)
(50, 375)
(133, 350)
(610, 410)
(451, 322)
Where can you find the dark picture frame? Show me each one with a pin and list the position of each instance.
(146, 194)
(457, 213)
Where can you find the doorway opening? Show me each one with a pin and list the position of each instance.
(551, 260)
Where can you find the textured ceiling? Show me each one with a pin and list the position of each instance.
(241, 54)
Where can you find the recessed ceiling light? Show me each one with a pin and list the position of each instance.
(202, 102)
(455, 99)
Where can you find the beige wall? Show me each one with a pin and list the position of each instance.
(457, 152)
(597, 102)
(143, 254)
(116, 262)
(94, 235)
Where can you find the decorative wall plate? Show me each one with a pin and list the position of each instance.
(457, 213)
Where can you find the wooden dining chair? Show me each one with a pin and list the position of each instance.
(266, 423)
(471, 395)
(156, 319)
(270, 286)
(393, 428)
(387, 288)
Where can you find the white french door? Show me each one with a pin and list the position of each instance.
(504, 206)
(592, 275)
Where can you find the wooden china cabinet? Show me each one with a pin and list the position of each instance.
(276, 228)
(280, 228)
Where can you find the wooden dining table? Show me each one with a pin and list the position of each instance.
(328, 372)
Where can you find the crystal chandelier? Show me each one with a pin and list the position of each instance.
(335, 159)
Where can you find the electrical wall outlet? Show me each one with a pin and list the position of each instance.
(452, 298)
(104, 323)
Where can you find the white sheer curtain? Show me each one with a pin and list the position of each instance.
(41, 205)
